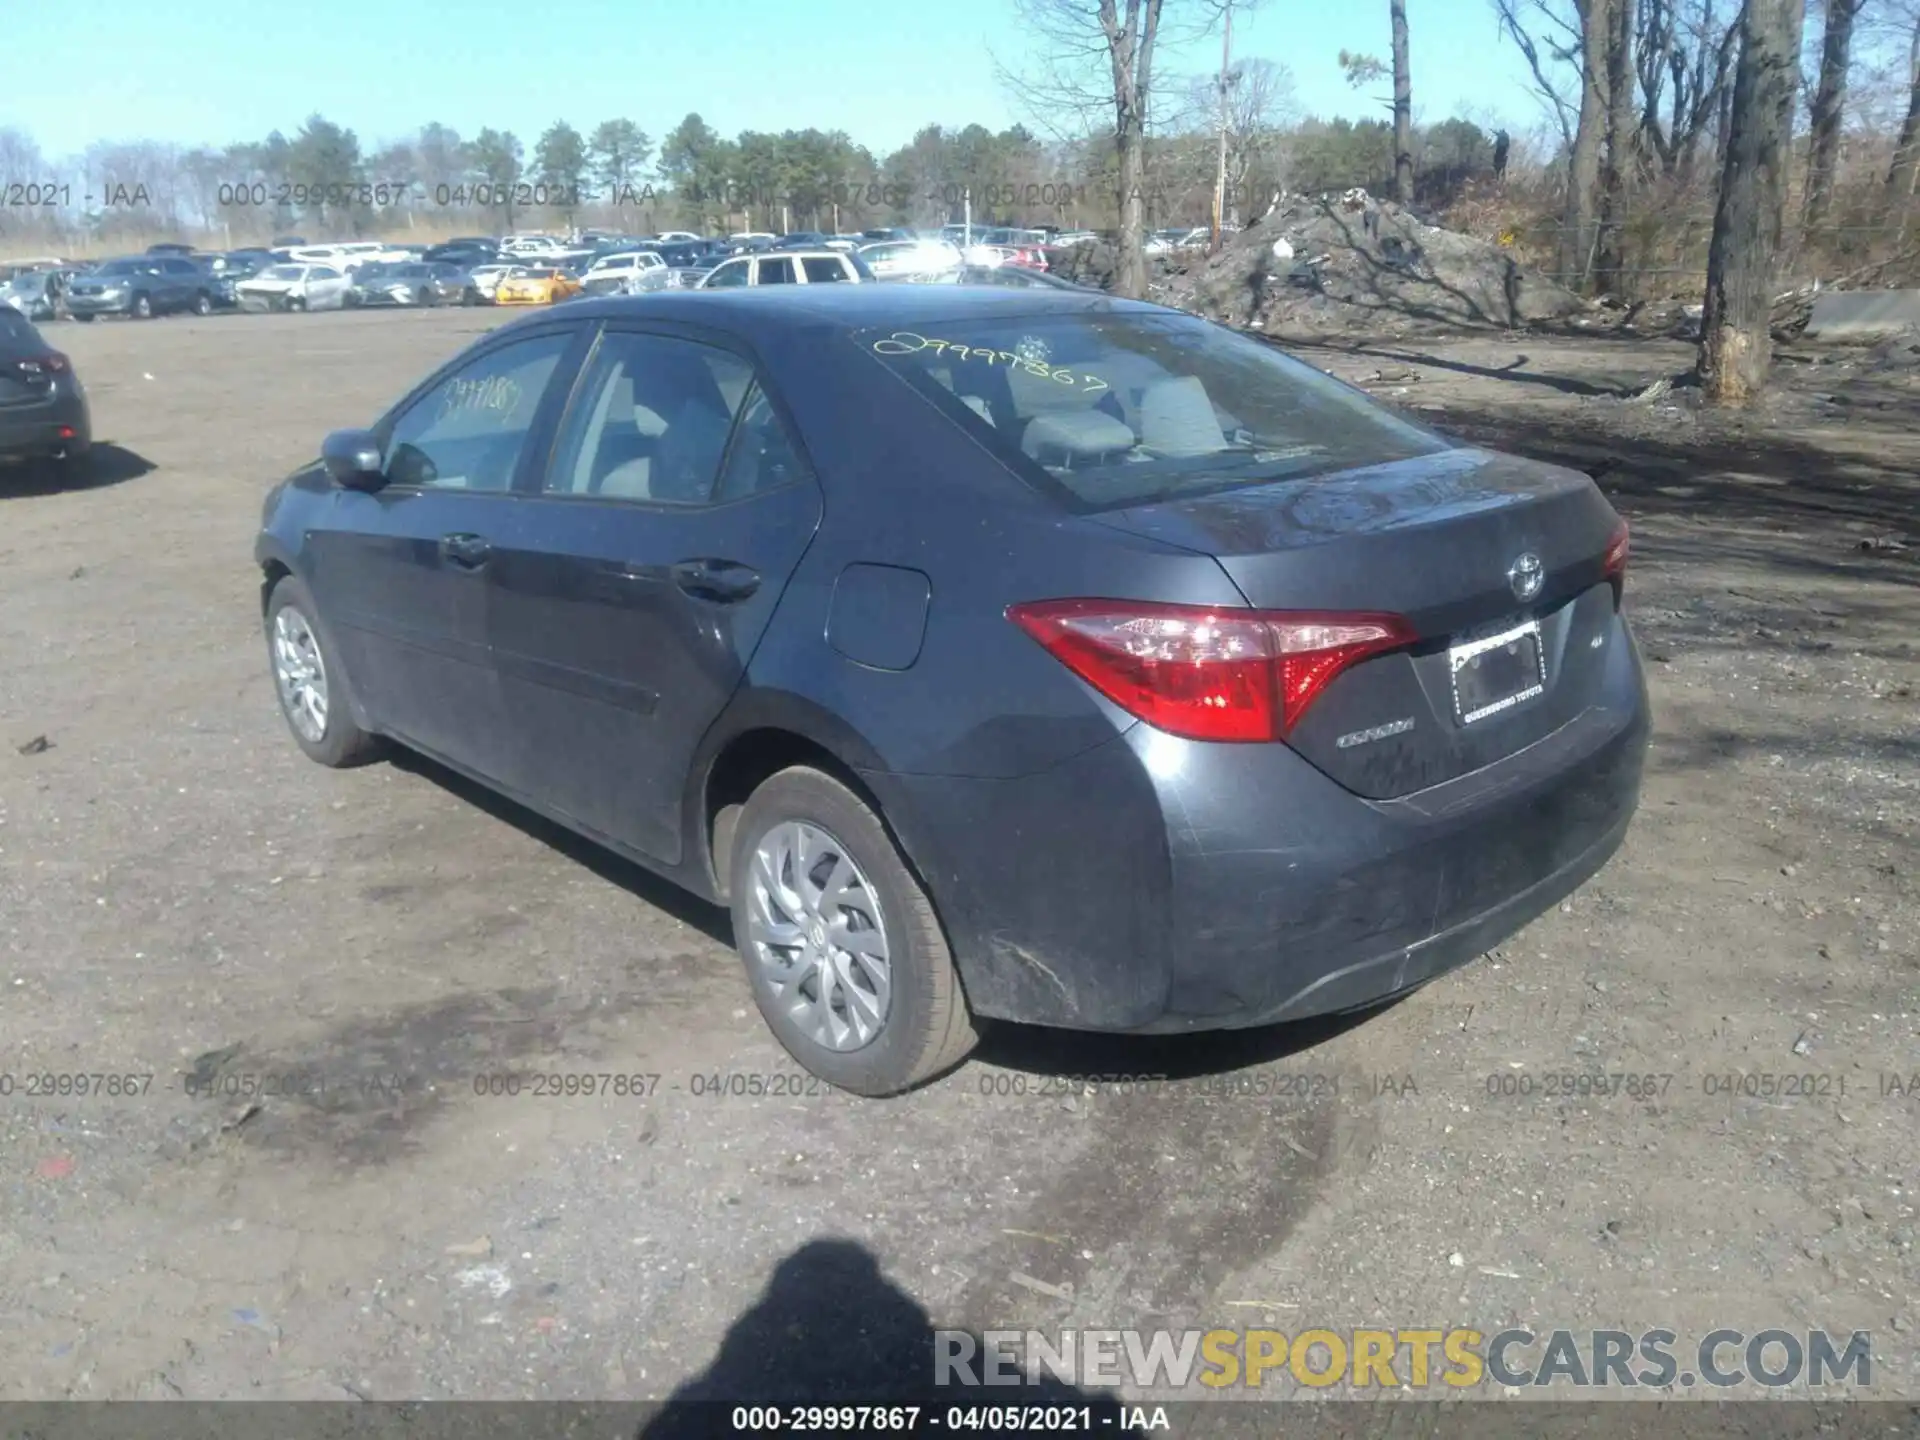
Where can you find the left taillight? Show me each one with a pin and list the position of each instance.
(1613, 564)
(1206, 673)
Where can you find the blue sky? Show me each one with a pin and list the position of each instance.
(211, 75)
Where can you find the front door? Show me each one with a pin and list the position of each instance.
(629, 591)
(400, 573)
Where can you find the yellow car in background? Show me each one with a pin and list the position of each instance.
(535, 286)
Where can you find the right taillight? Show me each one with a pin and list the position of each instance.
(1207, 673)
(1614, 563)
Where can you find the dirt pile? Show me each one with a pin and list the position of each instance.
(1346, 263)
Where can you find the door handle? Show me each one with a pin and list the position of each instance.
(468, 552)
(722, 581)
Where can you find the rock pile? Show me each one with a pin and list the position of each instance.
(1345, 263)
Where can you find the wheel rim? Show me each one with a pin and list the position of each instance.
(818, 938)
(300, 674)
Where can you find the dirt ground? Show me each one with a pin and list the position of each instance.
(183, 895)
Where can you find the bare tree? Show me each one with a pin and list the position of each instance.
(1736, 344)
(1577, 237)
(1402, 106)
(1829, 106)
(1620, 143)
(1906, 152)
(1095, 58)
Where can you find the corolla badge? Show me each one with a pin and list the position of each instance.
(1526, 575)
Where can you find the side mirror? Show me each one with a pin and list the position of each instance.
(352, 458)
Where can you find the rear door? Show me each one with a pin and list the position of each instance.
(400, 574)
(628, 592)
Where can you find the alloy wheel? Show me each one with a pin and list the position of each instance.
(301, 674)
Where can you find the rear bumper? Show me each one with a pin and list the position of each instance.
(35, 430)
(1155, 885)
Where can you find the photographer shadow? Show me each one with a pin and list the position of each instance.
(830, 1329)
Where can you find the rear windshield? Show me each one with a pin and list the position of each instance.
(1105, 411)
(16, 330)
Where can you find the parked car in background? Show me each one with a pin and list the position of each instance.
(484, 280)
(801, 240)
(672, 237)
(887, 232)
(141, 287)
(626, 274)
(535, 285)
(43, 406)
(910, 259)
(786, 267)
(170, 247)
(221, 279)
(746, 237)
(416, 283)
(295, 287)
(35, 295)
(464, 253)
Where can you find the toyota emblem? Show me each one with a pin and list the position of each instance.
(1526, 575)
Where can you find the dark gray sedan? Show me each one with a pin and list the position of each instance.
(43, 406)
(419, 283)
(993, 654)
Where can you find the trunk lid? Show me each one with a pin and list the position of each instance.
(1442, 541)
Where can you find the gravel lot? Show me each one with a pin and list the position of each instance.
(184, 895)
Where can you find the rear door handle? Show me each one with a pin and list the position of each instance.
(468, 552)
(724, 582)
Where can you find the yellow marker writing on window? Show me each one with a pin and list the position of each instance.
(906, 342)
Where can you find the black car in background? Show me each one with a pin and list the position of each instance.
(464, 253)
(141, 287)
(43, 407)
(993, 654)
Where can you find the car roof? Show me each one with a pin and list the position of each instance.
(766, 311)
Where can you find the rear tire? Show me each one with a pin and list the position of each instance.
(300, 639)
(926, 1027)
(84, 319)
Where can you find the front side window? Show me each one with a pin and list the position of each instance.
(734, 272)
(822, 268)
(468, 431)
(650, 421)
(775, 272)
(1106, 410)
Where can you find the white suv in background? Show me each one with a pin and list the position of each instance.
(628, 273)
(786, 267)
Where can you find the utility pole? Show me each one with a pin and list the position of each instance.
(1220, 171)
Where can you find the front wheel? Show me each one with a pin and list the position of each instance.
(203, 304)
(296, 302)
(142, 308)
(310, 683)
(844, 955)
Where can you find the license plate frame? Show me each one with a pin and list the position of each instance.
(1482, 701)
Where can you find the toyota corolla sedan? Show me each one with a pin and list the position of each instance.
(992, 654)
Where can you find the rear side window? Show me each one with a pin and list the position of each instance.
(649, 421)
(821, 268)
(1105, 410)
(776, 272)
